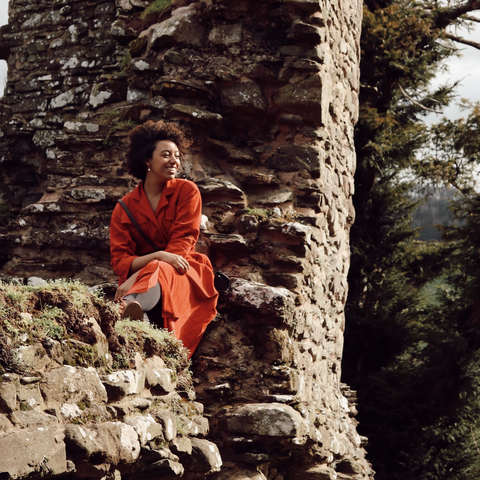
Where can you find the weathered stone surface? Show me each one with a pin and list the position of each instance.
(205, 457)
(254, 177)
(34, 356)
(122, 383)
(239, 474)
(32, 419)
(72, 384)
(268, 95)
(165, 468)
(230, 152)
(107, 92)
(275, 197)
(229, 242)
(291, 158)
(159, 380)
(214, 186)
(268, 419)
(263, 301)
(25, 452)
(244, 98)
(182, 28)
(109, 442)
(226, 34)
(145, 426)
(169, 424)
(8, 397)
(5, 423)
(197, 426)
(306, 99)
(203, 117)
(181, 446)
(321, 472)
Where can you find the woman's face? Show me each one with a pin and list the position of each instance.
(165, 161)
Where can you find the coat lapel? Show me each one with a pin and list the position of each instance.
(142, 206)
(168, 191)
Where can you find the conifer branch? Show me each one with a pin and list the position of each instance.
(474, 439)
(408, 97)
(471, 18)
(449, 15)
(463, 40)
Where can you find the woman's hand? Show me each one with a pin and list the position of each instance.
(176, 261)
(123, 289)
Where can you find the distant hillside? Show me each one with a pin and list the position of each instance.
(433, 211)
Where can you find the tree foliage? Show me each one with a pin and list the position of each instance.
(412, 354)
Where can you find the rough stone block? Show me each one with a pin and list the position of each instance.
(165, 468)
(303, 99)
(321, 472)
(32, 419)
(25, 452)
(169, 424)
(219, 188)
(159, 380)
(291, 158)
(239, 474)
(203, 117)
(109, 442)
(122, 383)
(145, 426)
(5, 423)
(262, 300)
(8, 397)
(72, 384)
(267, 419)
(226, 34)
(204, 457)
(35, 356)
(181, 446)
(180, 29)
(244, 98)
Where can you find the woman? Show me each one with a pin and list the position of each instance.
(168, 211)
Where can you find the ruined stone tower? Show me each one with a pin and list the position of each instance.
(268, 91)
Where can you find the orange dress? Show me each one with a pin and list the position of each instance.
(188, 300)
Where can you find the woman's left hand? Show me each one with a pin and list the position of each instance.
(176, 261)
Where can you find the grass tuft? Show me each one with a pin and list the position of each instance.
(143, 336)
(158, 6)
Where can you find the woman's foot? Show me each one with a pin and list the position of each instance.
(133, 311)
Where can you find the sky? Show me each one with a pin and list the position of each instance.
(466, 69)
(3, 64)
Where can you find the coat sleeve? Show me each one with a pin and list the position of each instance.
(122, 245)
(185, 229)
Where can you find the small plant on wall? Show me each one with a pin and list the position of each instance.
(157, 7)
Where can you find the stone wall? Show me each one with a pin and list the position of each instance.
(268, 91)
(82, 401)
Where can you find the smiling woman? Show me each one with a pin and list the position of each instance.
(153, 233)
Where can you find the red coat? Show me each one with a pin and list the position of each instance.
(188, 300)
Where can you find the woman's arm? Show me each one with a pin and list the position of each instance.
(176, 261)
(122, 247)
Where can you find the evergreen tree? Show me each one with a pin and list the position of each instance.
(409, 355)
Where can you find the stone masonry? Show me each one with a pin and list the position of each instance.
(268, 92)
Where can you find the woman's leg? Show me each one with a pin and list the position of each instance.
(147, 299)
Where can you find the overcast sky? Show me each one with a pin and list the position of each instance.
(466, 68)
(3, 64)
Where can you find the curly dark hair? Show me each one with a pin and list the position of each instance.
(143, 141)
